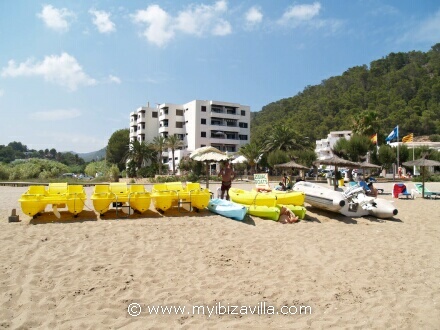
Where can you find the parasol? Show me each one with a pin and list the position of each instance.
(336, 162)
(422, 162)
(293, 164)
(207, 155)
(239, 160)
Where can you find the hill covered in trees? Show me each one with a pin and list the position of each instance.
(400, 89)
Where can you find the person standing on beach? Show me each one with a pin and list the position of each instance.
(227, 174)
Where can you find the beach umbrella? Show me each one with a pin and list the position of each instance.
(208, 154)
(239, 160)
(292, 164)
(367, 165)
(336, 162)
(422, 162)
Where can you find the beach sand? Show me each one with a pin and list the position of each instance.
(353, 272)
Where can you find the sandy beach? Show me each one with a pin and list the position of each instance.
(345, 272)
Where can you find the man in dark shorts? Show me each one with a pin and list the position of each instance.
(227, 174)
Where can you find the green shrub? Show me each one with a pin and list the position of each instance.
(4, 172)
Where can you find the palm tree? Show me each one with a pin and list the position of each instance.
(138, 153)
(159, 143)
(252, 151)
(366, 123)
(284, 138)
(173, 142)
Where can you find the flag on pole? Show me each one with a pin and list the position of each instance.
(373, 138)
(408, 138)
(393, 135)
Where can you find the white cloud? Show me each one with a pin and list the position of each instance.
(56, 19)
(202, 19)
(199, 20)
(253, 16)
(222, 28)
(102, 21)
(63, 70)
(158, 30)
(114, 79)
(2, 92)
(55, 115)
(426, 31)
(300, 13)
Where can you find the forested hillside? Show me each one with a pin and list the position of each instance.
(400, 89)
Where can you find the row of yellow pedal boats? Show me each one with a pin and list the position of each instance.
(105, 196)
(163, 197)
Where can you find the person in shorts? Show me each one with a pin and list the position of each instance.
(227, 174)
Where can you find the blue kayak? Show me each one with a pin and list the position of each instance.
(227, 209)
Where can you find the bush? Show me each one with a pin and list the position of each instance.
(4, 172)
(113, 173)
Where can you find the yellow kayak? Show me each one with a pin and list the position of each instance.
(286, 197)
(299, 211)
(252, 197)
(267, 212)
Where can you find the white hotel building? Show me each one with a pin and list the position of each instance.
(324, 146)
(198, 123)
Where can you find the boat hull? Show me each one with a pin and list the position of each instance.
(135, 196)
(172, 194)
(267, 212)
(321, 197)
(59, 195)
(299, 211)
(227, 209)
(247, 197)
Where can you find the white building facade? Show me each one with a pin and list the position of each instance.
(198, 123)
(324, 146)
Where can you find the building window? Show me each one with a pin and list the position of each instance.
(203, 134)
(179, 124)
(179, 112)
(243, 125)
(203, 121)
(154, 114)
(203, 108)
(243, 137)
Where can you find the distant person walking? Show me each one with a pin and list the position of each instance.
(227, 174)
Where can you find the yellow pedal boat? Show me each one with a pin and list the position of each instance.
(59, 195)
(176, 194)
(119, 194)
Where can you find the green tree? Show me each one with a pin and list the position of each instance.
(159, 144)
(139, 153)
(386, 156)
(173, 142)
(283, 137)
(277, 157)
(366, 123)
(117, 147)
(354, 149)
(253, 152)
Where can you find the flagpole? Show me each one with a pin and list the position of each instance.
(397, 146)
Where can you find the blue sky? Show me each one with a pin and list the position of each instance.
(72, 71)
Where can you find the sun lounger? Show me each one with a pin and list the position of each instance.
(400, 191)
(428, 193)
